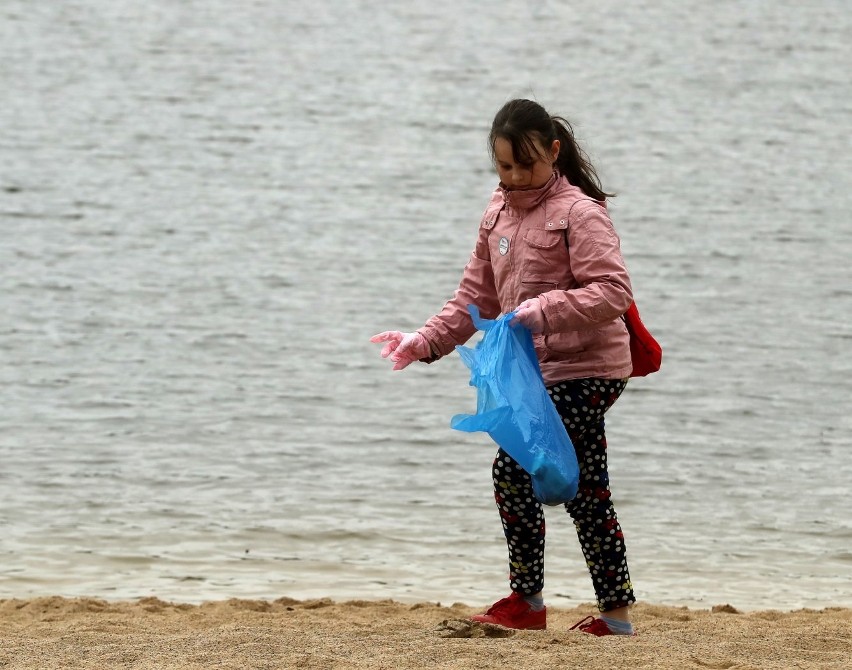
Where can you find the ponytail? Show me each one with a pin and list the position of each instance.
(573, 162)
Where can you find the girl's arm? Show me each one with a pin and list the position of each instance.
(598, 267)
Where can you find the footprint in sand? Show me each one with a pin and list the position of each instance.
(465, 628)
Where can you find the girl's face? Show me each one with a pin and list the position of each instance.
(524, 176)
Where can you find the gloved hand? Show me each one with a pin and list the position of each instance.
(531, 315)
(403, 348)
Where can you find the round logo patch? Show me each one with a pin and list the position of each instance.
(504, 246)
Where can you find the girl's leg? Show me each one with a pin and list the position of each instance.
(523, 524)
(582, 404)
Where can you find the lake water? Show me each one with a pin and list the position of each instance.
(207, 208)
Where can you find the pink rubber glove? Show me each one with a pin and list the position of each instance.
(403, 348)
(530, 314)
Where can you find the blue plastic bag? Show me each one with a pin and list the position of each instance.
(513, 407)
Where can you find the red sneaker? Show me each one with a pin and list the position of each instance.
(593, 626)
(514, 612)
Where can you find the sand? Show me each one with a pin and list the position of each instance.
(150, 633)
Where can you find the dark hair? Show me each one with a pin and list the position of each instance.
(521, 122)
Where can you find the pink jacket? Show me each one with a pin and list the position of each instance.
(584, 287)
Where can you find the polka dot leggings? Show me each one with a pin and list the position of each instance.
(581, 403)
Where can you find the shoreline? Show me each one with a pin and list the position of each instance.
(59, 632)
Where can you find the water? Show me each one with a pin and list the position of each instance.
(207, 209)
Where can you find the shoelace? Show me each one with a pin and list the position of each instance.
(508, 604)
(591, 625)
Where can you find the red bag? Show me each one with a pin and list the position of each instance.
(646, 352)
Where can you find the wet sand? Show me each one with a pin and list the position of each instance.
(150, 633)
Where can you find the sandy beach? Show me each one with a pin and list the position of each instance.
(285, 633)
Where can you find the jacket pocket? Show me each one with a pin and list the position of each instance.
(543, 253)
(570, 342)
(535, 287)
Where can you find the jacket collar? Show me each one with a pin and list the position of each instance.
(530, 198)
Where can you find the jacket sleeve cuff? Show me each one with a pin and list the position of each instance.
(434, 339)
(543, 302)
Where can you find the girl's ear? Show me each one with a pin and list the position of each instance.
(554, 150)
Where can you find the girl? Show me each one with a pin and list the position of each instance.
(547, 248)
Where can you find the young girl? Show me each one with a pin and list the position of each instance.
(547, 248)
